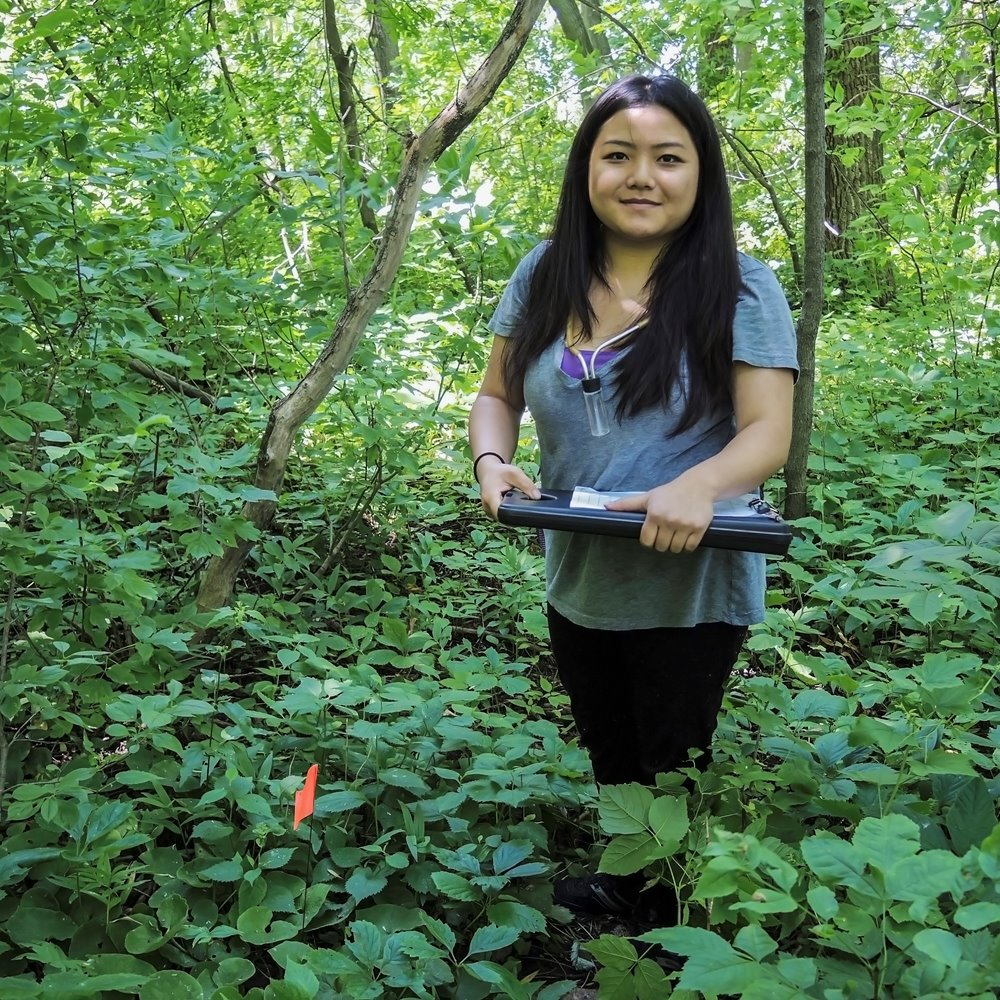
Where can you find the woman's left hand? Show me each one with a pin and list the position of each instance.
(677, 515)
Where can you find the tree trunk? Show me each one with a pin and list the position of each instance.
(287, 416)
(855, 159)
(796, 468)
(576, 27)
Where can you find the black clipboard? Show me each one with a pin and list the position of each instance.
(763, 530)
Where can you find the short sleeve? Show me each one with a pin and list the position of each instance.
(508, 312)
(763, 331)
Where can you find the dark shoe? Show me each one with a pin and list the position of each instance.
(598, 894)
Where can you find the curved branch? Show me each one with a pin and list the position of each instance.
(749, 161)
(288, 415)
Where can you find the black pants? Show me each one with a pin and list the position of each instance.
(642, 700)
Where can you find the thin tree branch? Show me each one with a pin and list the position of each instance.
(749, 162)
(172, 382)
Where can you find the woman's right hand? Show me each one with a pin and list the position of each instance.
(496, 479)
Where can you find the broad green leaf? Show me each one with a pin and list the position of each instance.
(972, 816)
(455, 886)
(168, 985)
(32, 923)
(668, 822)
(628, 854)
(510, 854)
(42, 287)
(976, 916)
(615, 984)
(337, 802)
(939, 945)
(835, 860)
(518, 915)
(823, 901)
(754, 941)
(624, 808)
(14, 427)
(492, 938)
(363, 884)
(953, 521)
(224, 871)
(368, 943)
(883, 841)
(233, 971)
(39, 413)
(650, 980)
(712, 966)
(613, 952)
(925, 876)
(488, 972)
(925, 605)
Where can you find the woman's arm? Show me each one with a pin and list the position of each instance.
(494, 422)
(678, 512)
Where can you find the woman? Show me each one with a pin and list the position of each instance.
(641, 286)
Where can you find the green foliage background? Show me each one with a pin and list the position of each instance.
(179, 229)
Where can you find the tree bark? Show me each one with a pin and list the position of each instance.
(348, 108)
(796, 468)
(855, 160)
(287, 416)
(385, 49)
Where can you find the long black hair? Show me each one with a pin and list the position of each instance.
(692, 290)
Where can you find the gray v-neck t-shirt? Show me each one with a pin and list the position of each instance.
(615, 583)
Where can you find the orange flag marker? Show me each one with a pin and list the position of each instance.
(305, 798)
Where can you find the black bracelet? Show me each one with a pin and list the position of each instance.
(475, 464)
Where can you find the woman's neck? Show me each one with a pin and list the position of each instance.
(629, 265)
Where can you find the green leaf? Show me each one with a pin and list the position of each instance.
(277, 857)
(49, 22)
(953, 521)
(456, 887)
(517, 915)
(650, 981)
(925, 876)
(713, 965)
(488, 972)
(624, 808)
(823, 902)
(972, 817)
(492, 938)
(628, 854)
(168, 985)
(42, 287)
(835, 860)
(364, 883)
(39, 413)
(510, 854)
(754, 941)
(224, 871)
(976, 916)
(925, 606)
(668, 822)
(233, 972)
(939, 945)
(883, 841)
(14, 427)
(613, 952)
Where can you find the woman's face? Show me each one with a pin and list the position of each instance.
(643, 178)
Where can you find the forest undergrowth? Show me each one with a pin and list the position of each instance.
(842, 845)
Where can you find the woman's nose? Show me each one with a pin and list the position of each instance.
(640, 175)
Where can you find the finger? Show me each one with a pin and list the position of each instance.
(693, 541)
(636, 503)
(665, 539)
